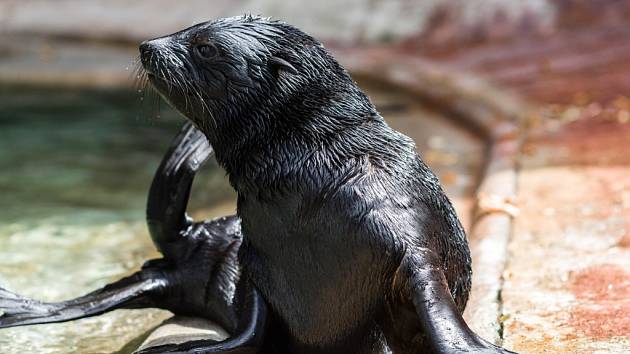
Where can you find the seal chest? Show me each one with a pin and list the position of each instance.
(313, 259)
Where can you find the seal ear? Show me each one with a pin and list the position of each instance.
(279, 64)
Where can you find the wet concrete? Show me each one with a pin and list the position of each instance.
(566, 284)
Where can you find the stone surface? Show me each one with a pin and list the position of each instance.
(565, 288)
(180, 329)
(567, 284)
(489, 238)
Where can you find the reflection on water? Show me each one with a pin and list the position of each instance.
(75, 167)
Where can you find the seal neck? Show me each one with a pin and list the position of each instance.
(281, 138)
(307, 159)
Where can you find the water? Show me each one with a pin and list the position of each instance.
(75, 167)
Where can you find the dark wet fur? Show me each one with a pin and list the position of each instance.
(344, 225)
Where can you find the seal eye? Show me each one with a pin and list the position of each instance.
(207, 51)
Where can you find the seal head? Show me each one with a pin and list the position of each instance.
(243, 80)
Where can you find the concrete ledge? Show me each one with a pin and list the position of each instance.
(489, 243)
(180, 329)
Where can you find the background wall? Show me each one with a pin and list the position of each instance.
(342, 20)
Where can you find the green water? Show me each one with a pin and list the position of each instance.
(75, 167)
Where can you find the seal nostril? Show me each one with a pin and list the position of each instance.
(145, 49)
(150, 47)
(144, 46)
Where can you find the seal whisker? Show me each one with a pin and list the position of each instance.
(172, 67)
(186, 89)
(137, 74)
(149, 98)
(204, 105)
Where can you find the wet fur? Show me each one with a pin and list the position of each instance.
(341, 228)
(331, 198)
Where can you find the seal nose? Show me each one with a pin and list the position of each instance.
(146, 48)
(150, 47)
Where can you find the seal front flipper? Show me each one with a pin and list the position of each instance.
(248, 337)
(422, 282)
(130, 292)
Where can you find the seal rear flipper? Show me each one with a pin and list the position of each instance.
(247, 339)
(170, 189)
(423, 283)
(129, 292)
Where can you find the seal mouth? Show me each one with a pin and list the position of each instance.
(157, 80)
(149, 73)
(154, 79)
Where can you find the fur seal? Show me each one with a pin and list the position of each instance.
(349, 243)
(348, 235)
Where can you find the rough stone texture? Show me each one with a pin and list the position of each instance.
(586, 58)
(489, 239)
(567, 284)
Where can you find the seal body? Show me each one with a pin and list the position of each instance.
(346, 233)
(324, 245)
(343, 242)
